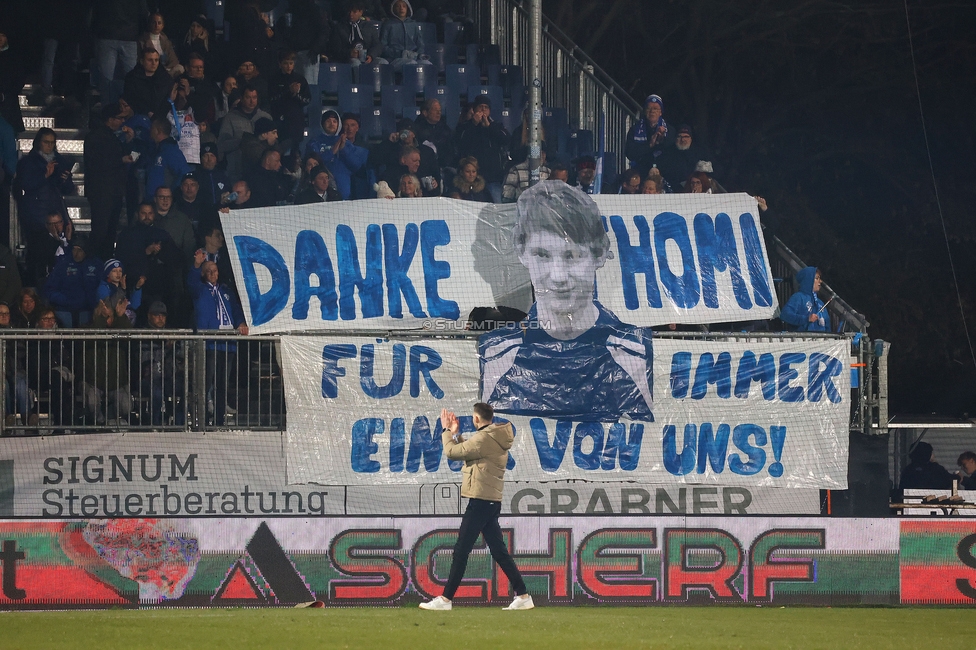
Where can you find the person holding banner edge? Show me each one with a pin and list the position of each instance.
(485, 455)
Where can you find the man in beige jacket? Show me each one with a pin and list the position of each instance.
(485, 455)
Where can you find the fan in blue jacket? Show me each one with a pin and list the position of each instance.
(215, 305)
(342, 157)
(72, 286)
(168, 164)
(804, 310)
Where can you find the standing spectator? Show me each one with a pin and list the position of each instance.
(48, 250)
(649, 137)
(13, 75)
(105, 160)
(202, 95)
(168, 164)
(113, 287)
(677, 162)
(28, 309)
(309, 24)
(923, 473)
(106, 380)
(147, 250)
(251, 35)
(269, 186)
(343, 158)
(517, 180)
(804, 310)
(147, 85)
(10, 284)
(216, 309)
(354, 159)
(400, 36)
(215, 250)
(239, 121)
(8, 167)
(189, 202)
(469, 185)
(248, 74)
(73, 284)
(161, 370)
(44, 178)
(15, 375)
(289, 98)
(115, 26)
(156, 40)
(254, 145)
(214, 183)
(320, 190)
(199, 41)
(485, 140)
(354, 40)
(431, 129)
(227, 99)
(174, 222)
(49, 371)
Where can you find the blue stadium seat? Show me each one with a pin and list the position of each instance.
(510, 118)
(393, 98)
(450, 104)
(519, 95)
(453, 33)
(333, 76)
(555, 122)
(419, 76)
(471, 54)
(354, 97)
(376, 75)
(489, 55)
(505, 76)
(461, 76)
(410, 112)
(494, 94)
(377, 123)
(428, 32)
(443, 56)
(580, 143)
(215, 11)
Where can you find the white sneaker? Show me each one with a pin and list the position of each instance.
(440, 604)
(521, 603)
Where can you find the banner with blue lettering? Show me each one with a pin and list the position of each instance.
(609, 405)
(425, 264)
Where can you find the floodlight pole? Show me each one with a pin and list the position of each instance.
(535, 91)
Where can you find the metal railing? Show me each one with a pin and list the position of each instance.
(72, 381)
(571, 79)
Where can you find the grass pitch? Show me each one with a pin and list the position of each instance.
(479, 627)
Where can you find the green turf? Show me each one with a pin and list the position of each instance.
(562, 627)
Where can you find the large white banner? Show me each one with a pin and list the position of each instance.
(426, 263)
(766, 413)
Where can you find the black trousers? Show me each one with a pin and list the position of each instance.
(482, 517)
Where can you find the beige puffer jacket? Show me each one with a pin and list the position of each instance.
(485, 455)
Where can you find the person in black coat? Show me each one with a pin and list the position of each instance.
(269, 186)
(13, 75)
(290, 95)
(148, 85)
(105, 175)
(923, 473)
(485, 140)
(321, 188)
(147, 250)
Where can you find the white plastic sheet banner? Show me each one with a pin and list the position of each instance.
(426, 263)
(766, 413)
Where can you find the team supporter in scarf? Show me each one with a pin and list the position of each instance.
(647, 139)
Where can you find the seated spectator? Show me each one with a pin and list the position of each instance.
(198, 41)
(44, 179)
(113, 288)
(255, 145)
(469, 185)
(238, 121)
(106, 380)
(651, 186)
(249, 75)
(251, 35)
(321, 189)
(156, 40)
(50, 372)
(174, 222)
(411, 161)
(700, 181)
(586, 174)
(147, 85)
(400, 36)
(409, 187)
(289, 98)
(344, 158)
(559, 172)
(517, 180)
(678, 161)
(431, 129)
(923, 473)
(28, 310)
(216, 309)
(15, 375)
(227, 99)
(147, 250)
(967, 463)
(189, 202)
(162, 367)
(214, 183)
(269, 185)
(73, 284)
(168, 163)
(630, 182)
(649, 137)
(48, 250)
(804, 310)
(484, 139)
(354, 40)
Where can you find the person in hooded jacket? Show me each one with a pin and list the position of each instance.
(342, 157)
(648, 139)
(804, 310)
(400, 36)
(73, 283)
(485, 456)
(923, 473)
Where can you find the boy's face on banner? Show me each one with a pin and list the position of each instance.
(562, 271)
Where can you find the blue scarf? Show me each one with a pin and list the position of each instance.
(644, 130)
